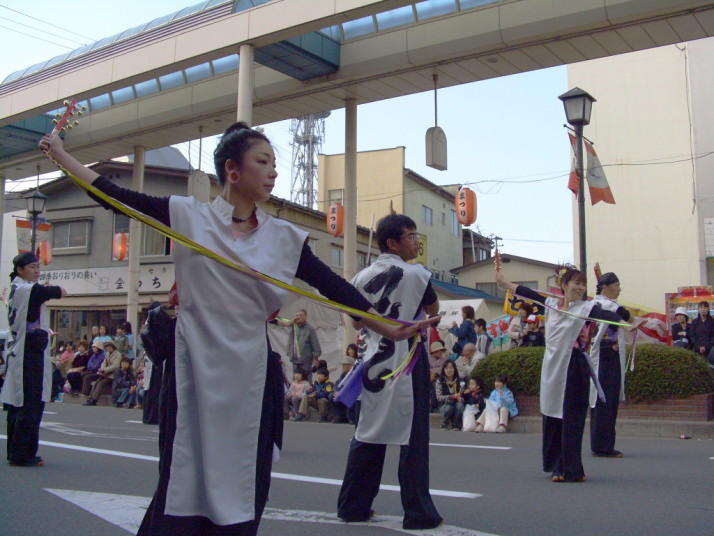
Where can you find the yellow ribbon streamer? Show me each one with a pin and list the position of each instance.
(187, 242)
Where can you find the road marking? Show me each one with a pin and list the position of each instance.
(384, 487)
(49, 413)
(280, 476)
(68, 430)
(127, 511)
(456, 445)
(135, 422)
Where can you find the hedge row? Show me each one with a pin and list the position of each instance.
(661, 372)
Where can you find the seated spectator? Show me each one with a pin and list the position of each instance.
(483, 339)
(464, 333)
(105, 374)
(437, 357)
(296, 392)
(64, 361)
(317, 364)
(503, 404)
(341, 412)
(532, 335)
(466, 361)
(448, 387)
(79, 363)
(122, 384)
(143, 380)
(318, 396)
(474, 403)
(103, 336)
(681, 330)
(122, 342)
(90, 373)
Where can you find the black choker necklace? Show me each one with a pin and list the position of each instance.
(242, 220)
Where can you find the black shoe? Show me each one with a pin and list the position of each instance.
(324, 419)
(611, 454)
(357, 519)
(117, 405)
(32, 462)
(90, 402)
(421, 525)
(299, 417)
(340, 421)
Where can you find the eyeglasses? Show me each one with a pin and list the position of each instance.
(410, 236)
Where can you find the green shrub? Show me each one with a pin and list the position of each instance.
(660, 372)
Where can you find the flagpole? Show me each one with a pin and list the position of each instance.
(581, 195)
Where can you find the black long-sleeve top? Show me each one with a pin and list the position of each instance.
(39, 295)
(702, 332)
(597, 312)
(310, 269)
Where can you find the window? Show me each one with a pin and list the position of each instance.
(70, 234)
(121, 223)
(454, 224)
(335, 196)
(336, 256)
(155, 244)
(490, 288)
(361, 260)
(427, 215)
(482, 254)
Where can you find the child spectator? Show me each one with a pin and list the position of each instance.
(532, 335)
(474, 403)
(504, 404)
(341, 412)
(122, 342)
(483, 339)
(122, 384)
(448, 387)
(318, 396)
(296, 392)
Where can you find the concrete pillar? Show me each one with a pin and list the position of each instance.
(245, 84)
(135, 242)
(2, 212)
(350, 202)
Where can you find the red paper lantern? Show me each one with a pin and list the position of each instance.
(120, 246)
(465, 200)
(45, 252)
(336, 219)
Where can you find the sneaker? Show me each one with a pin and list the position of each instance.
(117, 405)
(299, 417)
(324, 419)
(479, 427)
(90, 402)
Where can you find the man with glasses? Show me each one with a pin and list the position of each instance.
(396, 414)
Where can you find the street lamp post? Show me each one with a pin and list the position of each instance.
(35, 206)
(578, 105)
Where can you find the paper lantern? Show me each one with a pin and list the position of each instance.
(336, 219)
(120, 246)
(465, 206)
(45, 252)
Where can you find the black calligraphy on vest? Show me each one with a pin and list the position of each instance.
(383, 284)
(11, 317)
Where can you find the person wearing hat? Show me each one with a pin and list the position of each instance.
(110, 364)
(437, 358)
(609, 357)
(28, 377)
(681, 329)
(532, 335)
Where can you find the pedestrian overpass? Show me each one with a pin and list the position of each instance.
(177, 78)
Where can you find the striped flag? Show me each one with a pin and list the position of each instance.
(597, 182)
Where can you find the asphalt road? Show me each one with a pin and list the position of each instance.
(487, 483)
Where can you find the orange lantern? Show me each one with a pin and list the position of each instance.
(45, 252)
(465, 206)
(120, 246)
(336, 219)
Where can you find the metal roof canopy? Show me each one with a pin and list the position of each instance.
(493, 39)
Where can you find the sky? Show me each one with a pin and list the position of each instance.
(505, 136)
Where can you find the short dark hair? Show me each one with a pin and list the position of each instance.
(392, 226)
(502, 378)
(125, 360)
(323, 371)
(236, 140)
(704, 303)
(481, 322)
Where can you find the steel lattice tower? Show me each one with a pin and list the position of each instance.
(308, 134)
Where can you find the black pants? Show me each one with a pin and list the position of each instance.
(563, 438)
(155, 522)
(23, 423)
(604, 415)
(366, 461)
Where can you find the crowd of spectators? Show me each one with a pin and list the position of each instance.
(105, 364)
(696, 335)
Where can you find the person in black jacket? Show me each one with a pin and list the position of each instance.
(703, 331)
(682, 329)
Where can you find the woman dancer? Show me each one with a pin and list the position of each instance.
(229, 384)
(28, 378)
(564, 381)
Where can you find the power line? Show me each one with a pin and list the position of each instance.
(54, 25)
(35, 37)
(42, 30)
